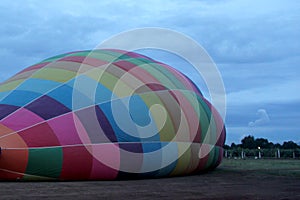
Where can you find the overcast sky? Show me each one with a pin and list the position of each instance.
(255, 44)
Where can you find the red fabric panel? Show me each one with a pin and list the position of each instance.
(40, 135)
(85, 60)
(103, 172)
(77, 163)
(34, 67)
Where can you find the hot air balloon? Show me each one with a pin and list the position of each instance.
(105, 114)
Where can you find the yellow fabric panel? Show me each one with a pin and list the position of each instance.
(184, 153)
(10, 85)
(54, 74)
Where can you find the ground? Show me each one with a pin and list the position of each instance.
(234, 179)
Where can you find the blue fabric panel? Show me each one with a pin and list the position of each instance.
(103, 94)
(63, 94)
(167, 170)
(139, 111)
(20, 98)
(84, 90)
(4, 94)
(121, 135)
(170, 158)
(38, 85)
(151, 146)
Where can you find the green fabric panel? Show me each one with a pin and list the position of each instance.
(195, 101)
(159, 72)
(51, 59)
(116, 55)
(217, 154)
(162, 78)
(211, 158)
(211, 122)
(28, 177)
(108, 80)
(167, 133)
(100, 55)
(106, 55)
(54, 74)
(170, 76)
(10, 85)
(46, 162)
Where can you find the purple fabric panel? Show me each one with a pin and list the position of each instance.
(105, 125)
(5, 110)
(47, 108)
(132, 147)
(89, 117)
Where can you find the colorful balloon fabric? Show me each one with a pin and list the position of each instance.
(102, 115)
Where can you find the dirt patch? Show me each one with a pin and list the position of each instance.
(223, 183)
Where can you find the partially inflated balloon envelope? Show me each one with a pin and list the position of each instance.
(105, 114)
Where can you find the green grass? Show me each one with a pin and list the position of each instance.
(281, 167)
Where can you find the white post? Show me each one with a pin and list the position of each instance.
(278, 153)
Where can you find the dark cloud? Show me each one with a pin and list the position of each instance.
(254, 43)
(234, 35)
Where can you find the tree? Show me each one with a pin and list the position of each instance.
(289, 145)
(262, 143)
(277, 146)
(233, 145)
(271, 145)
(248, 142)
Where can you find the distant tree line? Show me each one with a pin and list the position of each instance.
(251, 147)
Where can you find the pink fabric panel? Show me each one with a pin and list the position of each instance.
(83, 135)
(190, 114)
(34, 67)
(21, 119)
(65, 130)
(106, 161)
(137, 72)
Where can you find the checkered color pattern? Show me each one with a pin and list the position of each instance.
(103, 115)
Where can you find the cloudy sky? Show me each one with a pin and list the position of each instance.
(255, 44)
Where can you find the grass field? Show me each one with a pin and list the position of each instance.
(233, 179)
(280, 167)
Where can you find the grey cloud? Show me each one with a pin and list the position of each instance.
(263, 118)
(254, 43)
(252, 37)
